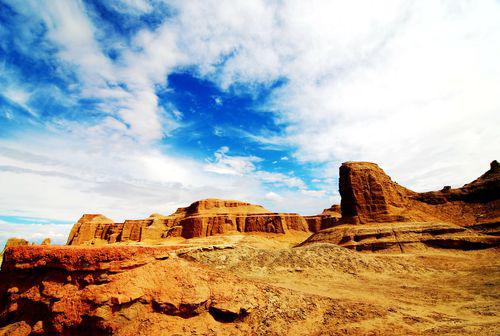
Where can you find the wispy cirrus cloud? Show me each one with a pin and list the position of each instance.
(410, 85)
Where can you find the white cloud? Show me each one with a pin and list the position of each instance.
(218, 101)
(314, 193)
(280, 179)
(231, 165)
(274, 197)
(130, 7)
(284, 158)
(127, 86)
(226, 164)
(410, 85)
(34, 233)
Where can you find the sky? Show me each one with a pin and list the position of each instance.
(132, 107)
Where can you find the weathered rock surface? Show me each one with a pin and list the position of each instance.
(398, 219)
(11, 242)
(202, 218)
(404, 237)
(328, 218)
(369, 195)
(16, 329)
(133, 290)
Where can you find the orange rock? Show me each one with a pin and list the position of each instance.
(16, 329)
(403, 237)
(137, 290)
(328, 218)
(369, 195)
(89, 227)
(11, 242)
(396, 218)
(202, 218)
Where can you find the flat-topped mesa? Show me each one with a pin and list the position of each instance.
(369, 195)
(202, 218)
(213, 206)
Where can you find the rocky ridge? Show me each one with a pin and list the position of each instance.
(379, 214)
(202, 218)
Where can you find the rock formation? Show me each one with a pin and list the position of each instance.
(369, 195)
(202, 218)
(138, 290)
(328, 218)
(394, 217)
(11, 242)
(205, 289)
(404, 237)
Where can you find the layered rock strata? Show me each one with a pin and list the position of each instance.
(202, 218)
(369, 195)
(404, 237)
(395, 218)
(138, 290)
(328, 218)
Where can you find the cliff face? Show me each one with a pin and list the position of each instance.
(328, 218)
(202, 218)
(396, 218)
(369, 195)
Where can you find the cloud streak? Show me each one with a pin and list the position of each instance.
(410, 85)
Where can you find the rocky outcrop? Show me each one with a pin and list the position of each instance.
(90, 226)
(404, 237)
(484, 189)
(11, 242)
(369, 195)
(202, 218)
(328, 218)
(396, 218)
(138, 290)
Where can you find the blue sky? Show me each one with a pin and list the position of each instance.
(131, 107)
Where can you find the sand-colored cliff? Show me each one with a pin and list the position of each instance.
(379, 214)
(202, 218)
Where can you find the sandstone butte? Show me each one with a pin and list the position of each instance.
(206, 288)
(379, 214)
(202, 218)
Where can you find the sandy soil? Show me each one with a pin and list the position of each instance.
(432, 292)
